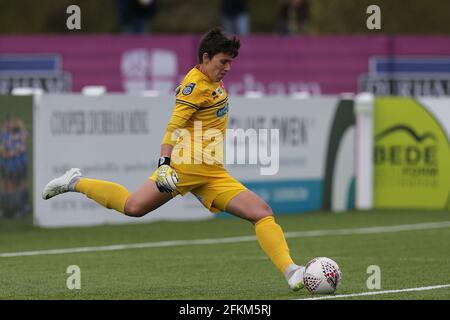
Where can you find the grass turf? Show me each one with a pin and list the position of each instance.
(407, 259)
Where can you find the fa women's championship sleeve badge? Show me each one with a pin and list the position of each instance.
(188, 89)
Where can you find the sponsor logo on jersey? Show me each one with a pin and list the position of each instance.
(222, 111)
(188, 89)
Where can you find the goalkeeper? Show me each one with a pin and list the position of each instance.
(201, 98)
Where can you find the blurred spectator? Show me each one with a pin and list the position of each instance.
(14, 193)
(135, 15)
(235, 17)
(293, 16)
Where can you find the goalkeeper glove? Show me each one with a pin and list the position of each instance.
(166, 177)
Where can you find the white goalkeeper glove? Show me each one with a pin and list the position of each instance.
(166, 177)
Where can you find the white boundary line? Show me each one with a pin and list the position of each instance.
(371, 293)
(370, 230)
(300, 234)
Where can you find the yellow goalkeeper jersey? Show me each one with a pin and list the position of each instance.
(198, 123)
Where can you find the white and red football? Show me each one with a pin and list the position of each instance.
(322, 275)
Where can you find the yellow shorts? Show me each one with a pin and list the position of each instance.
(212, 185)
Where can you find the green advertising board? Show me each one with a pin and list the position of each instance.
(411, 156)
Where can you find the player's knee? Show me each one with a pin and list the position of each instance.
(260, 212)
(266, 210)
(134, 208)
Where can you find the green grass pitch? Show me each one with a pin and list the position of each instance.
(225, 271)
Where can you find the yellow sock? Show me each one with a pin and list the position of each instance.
(109, 194)
(271, 239)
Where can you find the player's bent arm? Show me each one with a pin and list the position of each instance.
(166, 177)
(166, 150)
(180, 115)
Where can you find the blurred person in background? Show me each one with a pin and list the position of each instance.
(22, 200)
(14, 168)
(293, 16)
(4, 134)
(6, 169)
(235, 17)
(136, 15)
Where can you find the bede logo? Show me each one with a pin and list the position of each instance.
(418, 156)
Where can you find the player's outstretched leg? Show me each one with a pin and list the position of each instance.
(109, 194)
(62, 184)
(249, 206)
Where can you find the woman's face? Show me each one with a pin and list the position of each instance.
(217, 67)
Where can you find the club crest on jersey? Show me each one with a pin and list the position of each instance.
(218, 91)
(222, 111)
(188, 89)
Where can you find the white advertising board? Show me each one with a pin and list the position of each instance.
(118, 137)
(112, 137)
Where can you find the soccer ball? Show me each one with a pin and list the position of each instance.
(322, 275)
